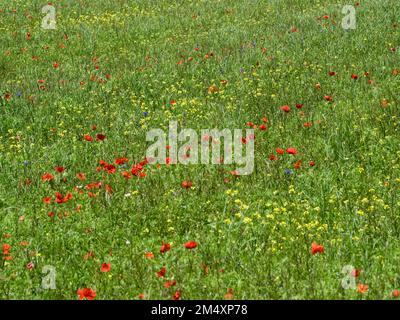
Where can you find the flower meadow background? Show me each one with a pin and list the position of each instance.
(319, 218)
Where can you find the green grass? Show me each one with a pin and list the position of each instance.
(257, 228)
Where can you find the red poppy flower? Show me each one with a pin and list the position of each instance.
(141, 296)
(285, 108)
(263, 127)
(307, 124)
(280, 151)
(110, 168)
(186, 184)
(47, 200)
(362, 288)
(328, 98)
(81, 176)
(60, 169)
(88, 137)
(354, 76)
(55, 65)
(121, 161)
(6, 248)
(355, 273)
(86, 293)
(316, 248)
(149, 255)
(190, 244)
(136, 168)
(332, 73)
(94, 185)
(105, 267)
(273, 157)
(312, 163)
(100, 137)
(299, 105)
(165, 247)
(162, 272)
(170, 283)
(62, 199)
(177, 295)
(229, 294)
(297, 165)
(264, 119)
(291, 151)
(396, 293)
(126, 175)
(47, 177)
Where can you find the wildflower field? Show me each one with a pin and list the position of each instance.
(84, 214)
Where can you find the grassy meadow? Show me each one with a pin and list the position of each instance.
(83, 216)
